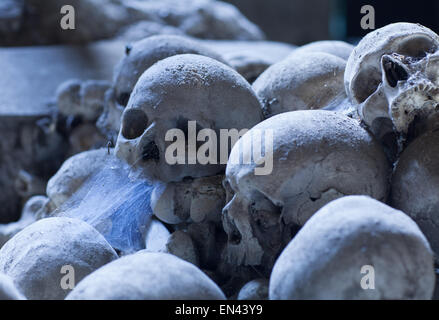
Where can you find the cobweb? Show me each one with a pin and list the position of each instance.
(115, 201)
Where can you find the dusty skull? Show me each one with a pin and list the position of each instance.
(82, 98)
(318, 156)
(139, 56)
(35, 256)
(392, 75)
(250, 58)
(171, 94)
(339, 49)
(415, 184)
(144, 53)
(147, 276)
(346, 240)
(300, 82)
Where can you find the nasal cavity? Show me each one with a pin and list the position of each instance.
(134, 123)
(394, 71)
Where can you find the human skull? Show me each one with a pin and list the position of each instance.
(32, 211)
(355, 248)
(83, 99)
(415, 183)
(311, 80)
(73, 173)
(34, 257)
(250, 58)
(339, 49)
(392, 76)
(318, 156)
(256, 289)
(144, 53)
(147, 276)
(173, 92)
(139, 56)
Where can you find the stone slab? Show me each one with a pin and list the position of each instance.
(29, 76)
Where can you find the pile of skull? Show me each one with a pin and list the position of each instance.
(354, 141)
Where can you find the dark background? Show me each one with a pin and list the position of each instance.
(302, 21)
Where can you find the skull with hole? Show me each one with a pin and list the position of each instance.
(183, 95)
(317, 156)
(138, 57)
(392, 76)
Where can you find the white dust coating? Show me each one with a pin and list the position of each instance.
(116, 202)
(147, 276)
(327, 257)
(33, 258)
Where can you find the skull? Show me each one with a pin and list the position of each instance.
(415, 184)
(167, 96)
(349, 237)
(339, 49)
(250, 58)
(392, 76)
(318, 156)
(82, 99)
(300, 82)
(138, 57)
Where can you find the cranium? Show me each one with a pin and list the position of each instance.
(147, 276)
(392, 76)
(138, 57)
(35, 256)
(250, 58)
(318, 156)
(83, 99)
(339, 49)
(334, 254)
(173, 92)
(415, 184)
(302, 81)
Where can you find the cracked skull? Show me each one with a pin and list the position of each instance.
(170, 94)
(392, 76)
(318, 156)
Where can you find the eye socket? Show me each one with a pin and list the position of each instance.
(134, 123)
(394, 72)
(123, 98)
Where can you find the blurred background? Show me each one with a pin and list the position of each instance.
(27, 22)
(302, 21)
